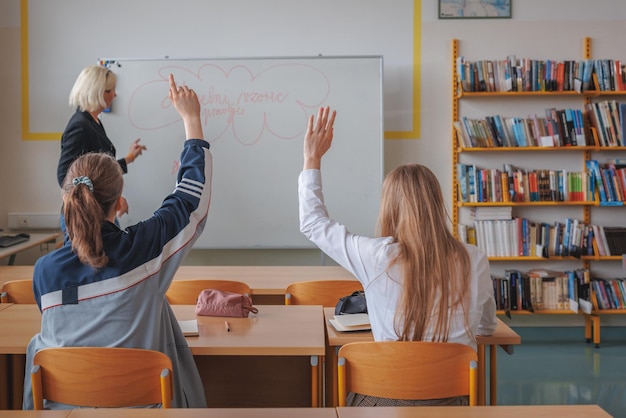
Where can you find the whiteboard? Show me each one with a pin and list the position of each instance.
(254, 114)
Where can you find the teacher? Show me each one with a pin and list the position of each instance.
(92, 93)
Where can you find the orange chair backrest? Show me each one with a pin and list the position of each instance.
(320, 292)
(411, 370)
(185, 292)
(18, 291)
(102, 377)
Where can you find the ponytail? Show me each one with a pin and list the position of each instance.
(93, 185)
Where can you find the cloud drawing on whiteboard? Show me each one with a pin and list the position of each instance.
(236, 103)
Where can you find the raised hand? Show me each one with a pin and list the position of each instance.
(318, 137)
(186, 103)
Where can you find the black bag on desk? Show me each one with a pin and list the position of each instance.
(352, 304)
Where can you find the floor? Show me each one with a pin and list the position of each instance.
(556, 366)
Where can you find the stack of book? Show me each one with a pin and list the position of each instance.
(609, 293)
(514, 184)
(607, 118)
(608, 181)
(527, 74)
(542, 289)
(520, 237)
(559, 128)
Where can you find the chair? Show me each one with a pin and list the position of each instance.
(18, 291)
(185, 292)
(102, 377)
(320, 292)
(408, 370)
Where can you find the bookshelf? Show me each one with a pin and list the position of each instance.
(477, 145)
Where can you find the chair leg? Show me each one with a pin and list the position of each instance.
(341, 382)
(37, 388)
(315, 381)
(473, 382)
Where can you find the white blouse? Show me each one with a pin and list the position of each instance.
(368, 259)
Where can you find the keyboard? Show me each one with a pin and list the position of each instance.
(9, 240)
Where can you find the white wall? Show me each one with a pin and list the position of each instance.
(539, 28)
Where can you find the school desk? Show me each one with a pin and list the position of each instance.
(35, 239)
(207, 413)
(16, 329)
(281, 346)
(523, 411)
(274, 341)
(267, 283)
(5, 380)
(503, 336)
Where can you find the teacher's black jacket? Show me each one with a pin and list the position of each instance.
(82, 135)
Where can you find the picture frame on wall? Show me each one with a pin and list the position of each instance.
(475, 9)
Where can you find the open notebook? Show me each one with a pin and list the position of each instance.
(351, 322)
(189, 328)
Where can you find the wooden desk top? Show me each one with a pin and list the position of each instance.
(35, 239)
(535, 411)
(4, 305)
(503, 334)
(276, 330)
(35, 414)
(263, 280)
(206, 413)
(15, 273)
(18, 324)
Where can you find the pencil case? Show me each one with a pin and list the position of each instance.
(214, 302)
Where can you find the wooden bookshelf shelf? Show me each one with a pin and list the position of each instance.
(537, 258)
(604, 93)
(493, 204)
(538, 312)
(589, 93)
(532, 149)
(483, 94)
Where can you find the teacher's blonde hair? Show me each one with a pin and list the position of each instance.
(88, 91)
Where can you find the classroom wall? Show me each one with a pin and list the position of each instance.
(539, 28)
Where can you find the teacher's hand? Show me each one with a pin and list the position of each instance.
(135, 151)
(318, 137)
(123, 207)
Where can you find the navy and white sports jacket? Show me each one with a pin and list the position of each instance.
(124, 304)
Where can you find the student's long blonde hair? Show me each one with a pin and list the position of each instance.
(85, 209)
(435, 265)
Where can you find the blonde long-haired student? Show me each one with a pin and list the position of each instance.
(421, 283)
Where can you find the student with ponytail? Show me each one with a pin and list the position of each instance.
(106, 286)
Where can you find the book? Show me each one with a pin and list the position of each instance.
(598, 241)
(622, 121)
(463, 180)
(616, 239)
(587, 70)
(351, 322)
(594, 168)
(189, 327)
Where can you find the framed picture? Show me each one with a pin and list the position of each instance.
(475, 9)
